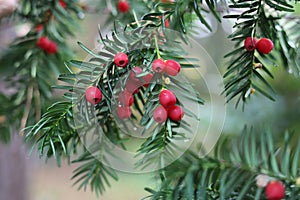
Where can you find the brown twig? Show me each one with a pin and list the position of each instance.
(27, 109)
(37, 100)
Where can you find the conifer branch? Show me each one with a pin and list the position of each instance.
(26, 62)
(243, 77)
(231, 171)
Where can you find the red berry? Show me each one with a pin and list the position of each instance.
(275, 190)
(160, 114)
(167, 98)
(123, 112)
(93, 95)
(167, 24)
(43, 42)
(134, 72)
(123, 6)
(172, 67)
(121, 59)
(264, 45)
(39, 27)
(126, 98)
(62, 3)
(250, 43)
(175, 113)
(158, 65)
(51, 48)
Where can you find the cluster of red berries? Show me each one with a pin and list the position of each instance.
(263, 45)
(170, 67)
(275, 190)
(134, 83)
(132, 86)
(93, 95)
(47, 45)
(123, 6)
(168, 108)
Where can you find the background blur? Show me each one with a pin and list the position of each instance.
(45, 181)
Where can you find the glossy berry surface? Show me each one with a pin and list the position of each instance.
(121, 59)
(175, 113)
(172, 67)
(264, 45)
(158, 65)
(123, 112)
(250, 43)
(125, 98)
(51, 48)
(43, 42)
(93, 95)
(160, 114)
(167, 98)
(123, 6)
(275, 190)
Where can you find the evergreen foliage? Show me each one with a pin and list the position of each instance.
(229, 172)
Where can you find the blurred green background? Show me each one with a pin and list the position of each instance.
(48, 182)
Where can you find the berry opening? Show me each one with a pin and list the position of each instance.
(96, 99)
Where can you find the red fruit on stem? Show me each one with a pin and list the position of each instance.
(126, 98)
(275, 190)
(250, 43)
(62, 3)
(39, 27)
(43, 42)
(160, 114)
(123, 6)
(51, 48)
(167, 98)
(172, 67)
(123, 112)
(175, 113)
(264, 45)
(93, 95)
(158, 65)
(134, 72)
(121, 59)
